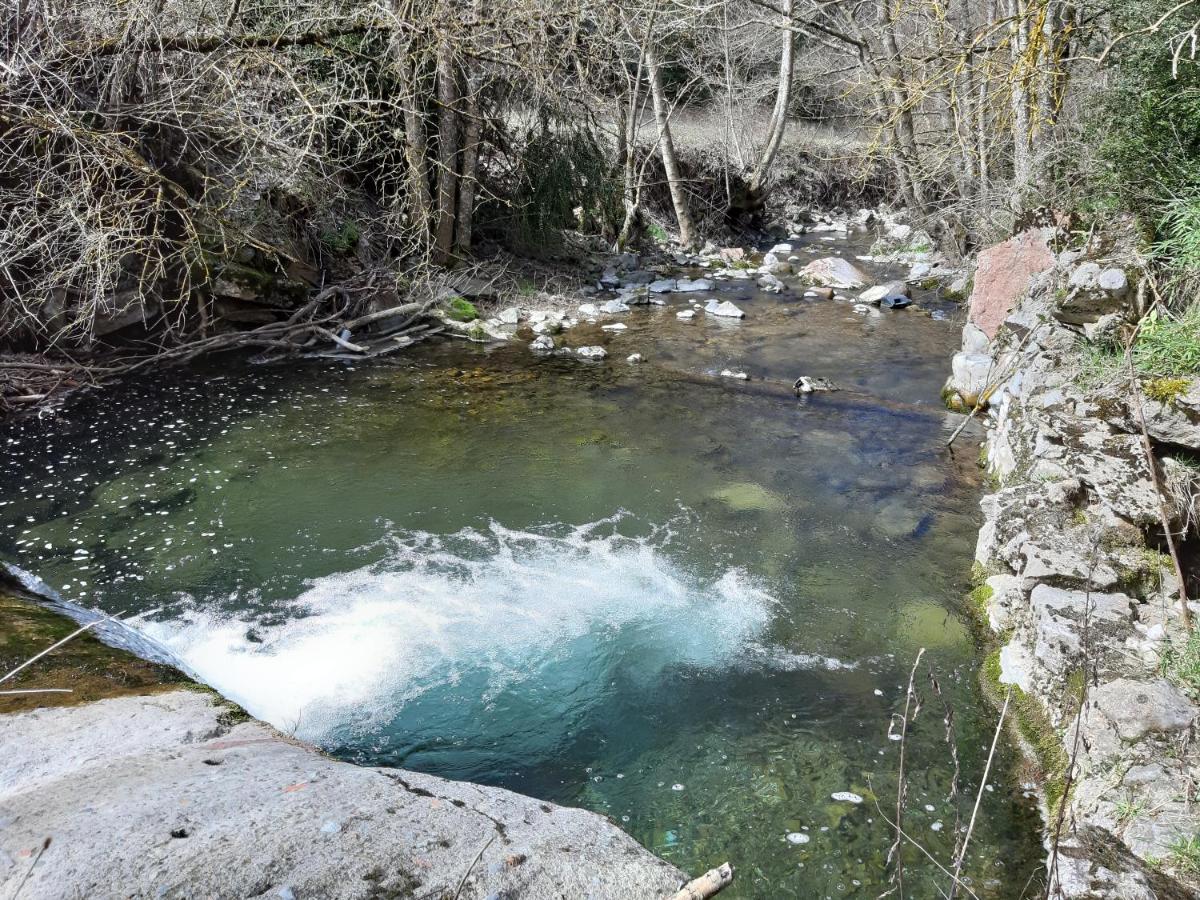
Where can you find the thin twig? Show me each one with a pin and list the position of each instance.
(962, 853)
(478, 855)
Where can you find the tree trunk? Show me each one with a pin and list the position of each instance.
(908, 154)
(416, 146)
(448, 147)
(783, 96)
(666, 147)
(1019, 99)
(470, 168)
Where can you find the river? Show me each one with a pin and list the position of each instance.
(685, 602)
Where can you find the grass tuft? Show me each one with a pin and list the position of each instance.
(1181, 664)
(1168, 348)
(1184, 855)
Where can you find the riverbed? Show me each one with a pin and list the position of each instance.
(685, 601)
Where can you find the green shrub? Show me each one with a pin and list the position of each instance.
(561, 170)
(343, 240)
(1169, 347)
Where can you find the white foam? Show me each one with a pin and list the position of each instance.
(491, 606)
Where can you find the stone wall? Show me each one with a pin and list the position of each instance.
(1082, 607)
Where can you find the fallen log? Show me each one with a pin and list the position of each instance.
(707, 885)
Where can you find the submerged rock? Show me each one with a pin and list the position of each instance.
(724, 308)
(612, 307)
(592, 352)
(688, 286)
(835, 272)
(808, 385)
(771, 284)
(542, 344)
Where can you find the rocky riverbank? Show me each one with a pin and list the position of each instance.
(1072, 582)
(143, 784)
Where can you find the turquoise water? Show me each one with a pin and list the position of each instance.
(686, 603)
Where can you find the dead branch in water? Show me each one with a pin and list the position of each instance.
(707, 885)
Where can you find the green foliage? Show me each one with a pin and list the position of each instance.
(1169, 347)
(461, 309)
(1148, 133)
(1181, 664)
(1184, 855)
(342, 240)
(657, 232)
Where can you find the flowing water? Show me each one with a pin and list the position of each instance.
(684, 602)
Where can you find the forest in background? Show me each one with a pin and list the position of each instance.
(153, 149)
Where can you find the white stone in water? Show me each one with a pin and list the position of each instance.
(797, 837)
(686, 314)
(615, 326)
(729, 373)
(878, 692)
(592, 352)
(862, 309)
(587, 309)
(542, 344)
(632, 359)
(724, 308)
(811, 294)
(936, 826)
(782, 248)
(614, 306)
(677, 787)
(687, 286)
(929, 807)
(846, 797)
(510, 316)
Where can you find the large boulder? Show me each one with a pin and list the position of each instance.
(175, 794)
(835, 272)
(1003, 275)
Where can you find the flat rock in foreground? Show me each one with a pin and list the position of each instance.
(173, 795)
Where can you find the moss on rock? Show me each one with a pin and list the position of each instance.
(85, 666)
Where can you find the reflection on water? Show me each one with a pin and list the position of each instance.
(690, 606)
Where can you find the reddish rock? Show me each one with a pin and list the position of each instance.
(1002, 277)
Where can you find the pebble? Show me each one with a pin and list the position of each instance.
(616, 326)
(846, 797)
(797, 837)
(686, 314)
(632, 358)
(592, 352)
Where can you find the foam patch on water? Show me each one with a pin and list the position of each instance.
(488, 609)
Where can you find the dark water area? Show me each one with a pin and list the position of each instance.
(676, 600)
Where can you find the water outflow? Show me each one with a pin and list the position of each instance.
(545, 619)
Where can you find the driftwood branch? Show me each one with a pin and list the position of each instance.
(707, 885)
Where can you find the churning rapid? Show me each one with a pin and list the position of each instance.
(556, 616)
(640, 589)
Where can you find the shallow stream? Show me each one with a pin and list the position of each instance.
(685, 602)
